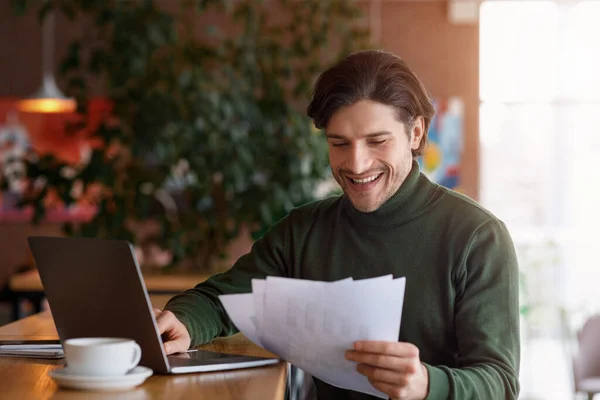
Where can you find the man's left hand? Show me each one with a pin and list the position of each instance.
(392, 367)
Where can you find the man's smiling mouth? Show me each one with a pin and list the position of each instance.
(366, 179)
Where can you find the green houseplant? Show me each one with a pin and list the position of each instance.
(211, 124)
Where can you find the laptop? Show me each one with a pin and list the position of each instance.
(95, 289)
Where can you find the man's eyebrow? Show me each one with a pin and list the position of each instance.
(331, 135)
(334, 136)
(377, 134)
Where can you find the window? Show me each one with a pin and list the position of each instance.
(540, 136)
(540, 166)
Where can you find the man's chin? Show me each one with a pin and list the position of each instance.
(365, 207)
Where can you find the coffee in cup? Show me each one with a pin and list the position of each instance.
(101, 356)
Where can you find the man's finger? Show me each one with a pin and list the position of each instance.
(165, 321)
(398, 349)
(176, 346)
(381, 360)
(395, 392)
(382, 374)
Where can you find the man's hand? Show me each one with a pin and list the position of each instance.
(392, 367)
(175, 335)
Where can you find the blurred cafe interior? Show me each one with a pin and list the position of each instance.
(143, 120)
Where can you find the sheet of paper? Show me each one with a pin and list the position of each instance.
(33, 353)
(29, 346)
(312, 324)
(240, 308)
(246, 310)
(258, 291)
(313, 328)
(303, 286)
(258, 294)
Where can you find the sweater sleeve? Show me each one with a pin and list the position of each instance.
(200, 310)
(486, 322)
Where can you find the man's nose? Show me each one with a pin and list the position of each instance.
(359, 160)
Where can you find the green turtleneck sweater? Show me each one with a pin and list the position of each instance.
(461, 300)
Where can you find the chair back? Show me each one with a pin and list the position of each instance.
(586, 363)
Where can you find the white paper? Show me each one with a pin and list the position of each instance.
(258, 294)
(312, 324)
(240, 308)
(30, 346)
(314, 330)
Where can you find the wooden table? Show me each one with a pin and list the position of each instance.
(28, 379)
(28, 286)
(155, 283)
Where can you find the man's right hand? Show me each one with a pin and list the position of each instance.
(175, 335)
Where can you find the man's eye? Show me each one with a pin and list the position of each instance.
(339, 144)
(377, 142)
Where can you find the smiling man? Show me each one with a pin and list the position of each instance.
(370, 164)
(459, 337)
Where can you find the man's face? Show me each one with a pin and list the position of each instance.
(370, 152)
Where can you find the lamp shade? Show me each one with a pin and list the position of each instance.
(49, 98)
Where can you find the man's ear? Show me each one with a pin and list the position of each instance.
(417, 132)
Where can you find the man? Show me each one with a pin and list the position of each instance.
(459, 336)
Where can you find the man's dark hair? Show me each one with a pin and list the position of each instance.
(372, 75)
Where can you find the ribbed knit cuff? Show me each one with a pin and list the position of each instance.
(439, 386)
(198, 333)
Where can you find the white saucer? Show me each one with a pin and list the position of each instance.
(130, 380)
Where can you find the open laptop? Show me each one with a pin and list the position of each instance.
(95, 289)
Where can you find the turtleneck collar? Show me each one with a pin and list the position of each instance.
(415, 192)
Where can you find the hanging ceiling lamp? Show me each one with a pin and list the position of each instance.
(49, 98)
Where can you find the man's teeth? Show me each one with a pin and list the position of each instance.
(365, 180)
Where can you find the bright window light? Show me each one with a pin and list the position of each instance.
(581, 79)
(518, 50)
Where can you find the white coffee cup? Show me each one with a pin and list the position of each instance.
(101, 356)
